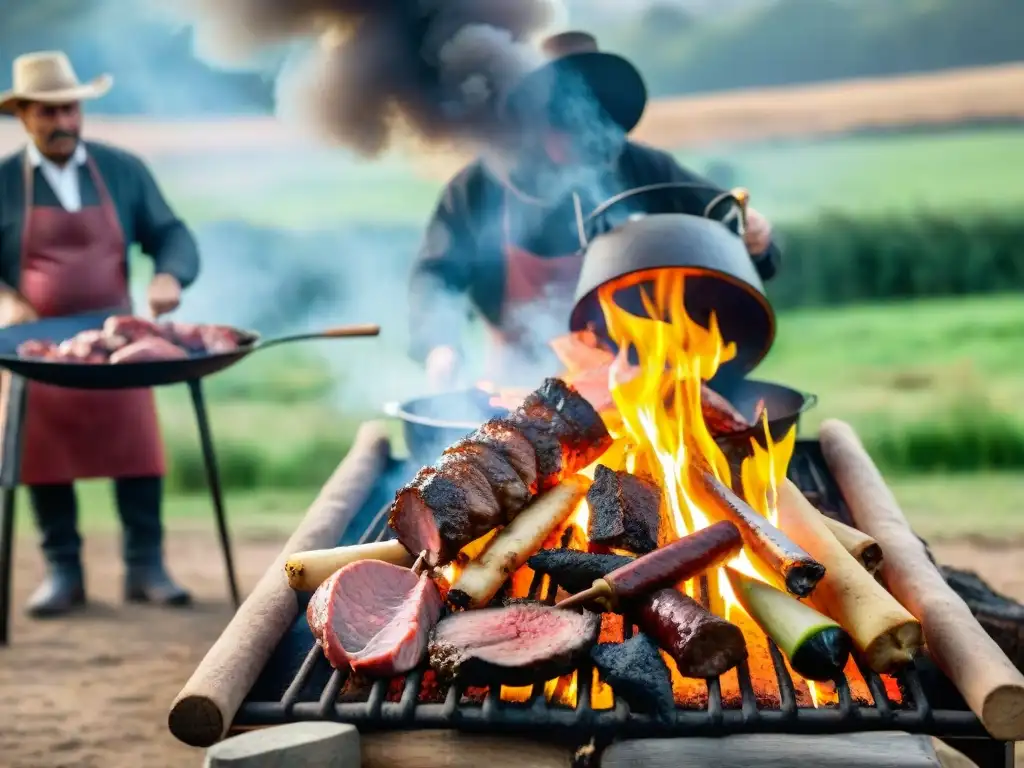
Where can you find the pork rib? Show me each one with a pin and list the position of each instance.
(374, 617)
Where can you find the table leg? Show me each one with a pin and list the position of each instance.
(10, 472)
(213, 479)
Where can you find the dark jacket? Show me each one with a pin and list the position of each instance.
(145, 217)
(460, 267)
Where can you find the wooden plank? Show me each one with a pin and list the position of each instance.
(449, 749)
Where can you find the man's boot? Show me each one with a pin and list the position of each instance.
(146, 579)
(63, 589)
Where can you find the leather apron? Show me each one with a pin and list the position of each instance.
(73, 262)
(535, 309)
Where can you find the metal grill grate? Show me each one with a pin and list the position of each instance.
(405, 703)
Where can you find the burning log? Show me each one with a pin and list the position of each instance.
(701, 644)
(636, 672)
(989, 683)
(308, 570)
(665, 567)
(625, 511)
(880, 627)
(512, 546)
(816, 646)
(864, 548)
(575, 571)
(800, 572)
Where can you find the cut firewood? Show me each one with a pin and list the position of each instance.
(857, 543)
(516, 543)
(880, 627)
(988, 681)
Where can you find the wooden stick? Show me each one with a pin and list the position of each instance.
(205, 707)
(880, 627)
(857, 543)
(988, 681)
(308, 570)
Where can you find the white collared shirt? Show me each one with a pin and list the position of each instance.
(63, 181)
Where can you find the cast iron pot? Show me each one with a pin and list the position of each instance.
(624, 245)
(430, 424)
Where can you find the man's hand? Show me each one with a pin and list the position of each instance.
(442, 369)
(164, 294)
(758, 234)
(14, 309)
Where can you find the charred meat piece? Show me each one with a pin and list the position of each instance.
(131, 328)
(444, 508)
(720, 416)
(636, 672)
(701, 644)
(565, 430)
(374, 617)
(577, 410)
(516, 645)
(575, 571)
(148, 350)
(41, 350)
(509, 489)
(507, 439)
(625, 511)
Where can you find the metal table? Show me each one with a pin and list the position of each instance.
(10, 473)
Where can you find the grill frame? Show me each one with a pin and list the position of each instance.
(916, 714)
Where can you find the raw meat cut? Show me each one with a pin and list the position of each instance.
(374, 617)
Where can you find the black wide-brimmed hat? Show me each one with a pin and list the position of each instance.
(579, 75)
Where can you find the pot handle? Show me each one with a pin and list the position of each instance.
(391, 410)
(810, 400)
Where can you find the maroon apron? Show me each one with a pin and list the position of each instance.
(529, 279)
(73, 263)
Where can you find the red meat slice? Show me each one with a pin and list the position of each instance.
(35, 348)
(147, 350)
(374, 617)
(213, 339)
(131, 328)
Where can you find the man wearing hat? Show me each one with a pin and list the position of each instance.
(69, 211)
(503, 240)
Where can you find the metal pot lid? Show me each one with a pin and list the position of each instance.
(721, 278)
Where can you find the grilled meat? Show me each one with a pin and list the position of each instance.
(374, 617)
(701, 644)
(444, 508)
(130, 328)
(148, 349)
(35, 348)
(625, 511)
(507, 439)
(211, 339)
(720, 416)
(472, 489)
(511, 492)
(636, 672)
(515, 645)
(86, 347)
(575, 571)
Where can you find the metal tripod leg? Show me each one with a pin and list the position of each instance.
(213, 479)
(10, 472)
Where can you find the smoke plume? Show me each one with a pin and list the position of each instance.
(383, 69)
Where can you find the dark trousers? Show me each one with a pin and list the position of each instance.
(138, 506)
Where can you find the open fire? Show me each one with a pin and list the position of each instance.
(655, 413)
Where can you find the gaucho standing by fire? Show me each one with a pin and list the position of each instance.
(69, 211)
(504, 233)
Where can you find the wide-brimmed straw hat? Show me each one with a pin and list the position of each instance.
(49, 78)
(577, 69)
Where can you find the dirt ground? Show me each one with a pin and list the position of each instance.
(93, 691)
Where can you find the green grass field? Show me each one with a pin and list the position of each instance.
(943, 172)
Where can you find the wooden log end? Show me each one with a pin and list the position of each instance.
(196, 720)
(297, 745)
(1003, 712)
